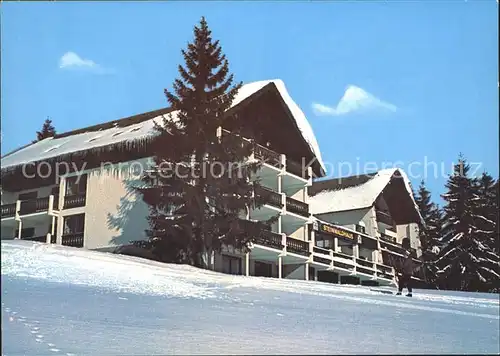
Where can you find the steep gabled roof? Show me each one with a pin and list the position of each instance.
(141, 126)
(360, 192)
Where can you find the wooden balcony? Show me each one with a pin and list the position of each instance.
(297, 246)
(322, 260)
(385, 218)
(30, 206)
(74, 201)
(384, 271)
(364, 263)
(34, 206)
(388, 238)
(321, 250)
(73, 239)
(267, 156)
(267, 196)
(270, 239)
(8, 210)
(297, 207)
(342, 255)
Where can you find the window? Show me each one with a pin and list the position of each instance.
(231, 265)
(26, 233)
(28, 196)
(74, 224)
(324, 242)
(361, 228)
(76, 185)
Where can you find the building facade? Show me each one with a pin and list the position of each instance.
(77, 189)
(378, 209)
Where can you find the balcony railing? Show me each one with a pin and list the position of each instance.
(267, 196)
(393, 247)
(386, 219)
(323, 260)
(297, 246)
(34, 206)
(360, 269)
(8, 210)
(385, 271)
(321, 250)
(270, 239)
(343, 265)
(74, 201)
(388, 238)
(73, 240)
(342, 255)
(364, 263)
(268, 156)
(297, 207)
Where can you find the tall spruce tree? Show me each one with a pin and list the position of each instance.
(487, 226)
(466, 262)
(430, 233)
(199, 190)
(48, 130)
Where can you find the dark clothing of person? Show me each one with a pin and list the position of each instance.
(408, 266)
(406, 274)
(404, 281)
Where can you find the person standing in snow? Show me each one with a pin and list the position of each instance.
(404, 278)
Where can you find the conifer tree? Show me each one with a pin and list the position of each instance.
(430, 233)
(466, 262)
(199, 191)
(487, 225)
(48, 130)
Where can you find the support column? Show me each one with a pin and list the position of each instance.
(280, 267)
(335, 244)
(280, 183)
(315, 274)
(53, 228)
(306, 266)
(20, 227)
(247, 264)
(60, 229)
(355, 250)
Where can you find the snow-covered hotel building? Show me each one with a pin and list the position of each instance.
(76, 189)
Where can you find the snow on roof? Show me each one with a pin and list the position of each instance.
(359, 196)
(300, 118)
(53, 147)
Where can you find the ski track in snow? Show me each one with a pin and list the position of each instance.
(70, 292)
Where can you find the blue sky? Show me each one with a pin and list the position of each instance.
(381, 82)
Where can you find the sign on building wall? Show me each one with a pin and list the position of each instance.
(337, 232)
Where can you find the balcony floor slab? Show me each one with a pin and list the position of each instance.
(264, 253)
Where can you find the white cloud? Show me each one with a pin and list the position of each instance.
(71, 60)
(355, 99)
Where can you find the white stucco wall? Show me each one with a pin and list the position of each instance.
(114, 214)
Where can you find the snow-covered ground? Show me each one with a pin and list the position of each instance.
(67, 301)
